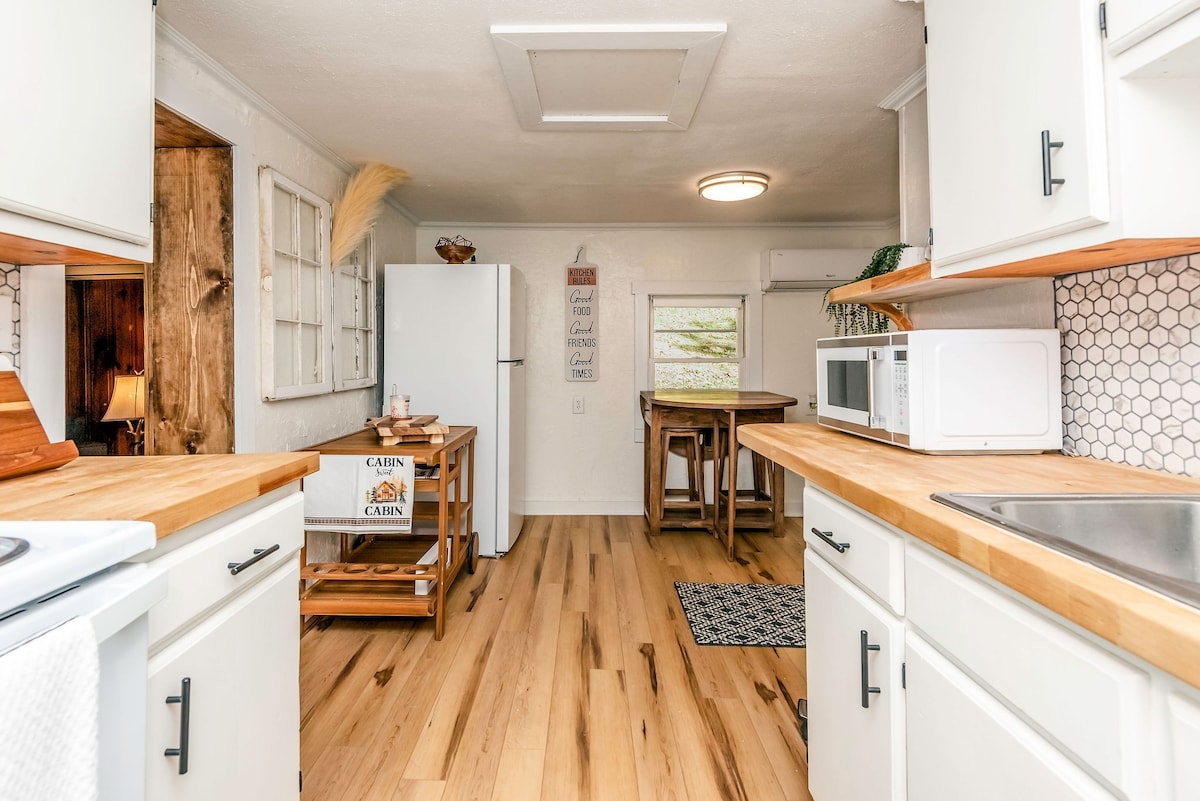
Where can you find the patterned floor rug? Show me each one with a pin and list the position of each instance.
(766, 615)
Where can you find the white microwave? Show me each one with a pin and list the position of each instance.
(945, 391)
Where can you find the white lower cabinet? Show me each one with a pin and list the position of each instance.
(223, 711)
(982, 694)
(855, 705)
(1183, 731)
(242, 729)
(964, 744)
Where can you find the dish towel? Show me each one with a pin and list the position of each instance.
(49, 716)
(360, 494)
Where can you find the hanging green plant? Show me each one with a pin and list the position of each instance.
(854, 318)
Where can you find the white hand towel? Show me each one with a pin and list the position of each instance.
(49, 717)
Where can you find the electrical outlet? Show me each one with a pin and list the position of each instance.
(577, 405)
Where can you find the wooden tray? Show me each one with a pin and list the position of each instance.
(419, 428)
(24, 446)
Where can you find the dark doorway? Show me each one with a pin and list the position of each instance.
(105, 339)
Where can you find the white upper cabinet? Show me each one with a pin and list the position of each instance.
(1130, 21)
(1016, 124)
(77, 146)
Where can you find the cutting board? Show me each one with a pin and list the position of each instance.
(419, 428)
(24, 446)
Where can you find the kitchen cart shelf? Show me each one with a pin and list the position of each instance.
(378, 575)
(917, 282)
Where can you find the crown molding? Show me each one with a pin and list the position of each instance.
(909, 88)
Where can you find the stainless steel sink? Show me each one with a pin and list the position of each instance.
(1153, 540)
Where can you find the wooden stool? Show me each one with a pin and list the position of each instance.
(693, 452)
(761, 495)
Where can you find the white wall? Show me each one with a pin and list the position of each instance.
(199, 89)
(1023, 304)
(590, 463)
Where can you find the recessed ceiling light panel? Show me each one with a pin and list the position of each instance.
(607, 77)
(729, 186)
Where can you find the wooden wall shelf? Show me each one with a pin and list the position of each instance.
(917, 282)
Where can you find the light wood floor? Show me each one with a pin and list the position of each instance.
(567, 672)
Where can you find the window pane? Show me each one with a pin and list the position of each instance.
(670, 375)
(282, 230)
(285, 354)
(696, 346)
(310, 292)
(365, 302)
(352, 356)
(346, 289)
(309, 230)
(283, 287)
(311, 366)
(698, 318)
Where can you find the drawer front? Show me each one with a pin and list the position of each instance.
(871, 555)
(198, 574)
(1089, 701)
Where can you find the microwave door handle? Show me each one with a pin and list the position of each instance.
(872, 418)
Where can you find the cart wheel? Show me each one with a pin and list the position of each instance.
(472, 545)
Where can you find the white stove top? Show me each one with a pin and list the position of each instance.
(63, 552)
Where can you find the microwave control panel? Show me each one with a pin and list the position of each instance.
(900, 389)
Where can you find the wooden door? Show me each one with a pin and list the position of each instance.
(189, 303)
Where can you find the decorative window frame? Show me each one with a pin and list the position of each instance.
(269, 180)
(750, 371)
(356, 366)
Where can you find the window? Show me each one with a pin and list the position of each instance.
(696, 335)
(318, 324)
(354, 317)
(696, 342)
(296, 289)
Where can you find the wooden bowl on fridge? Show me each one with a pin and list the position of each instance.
(455, 254)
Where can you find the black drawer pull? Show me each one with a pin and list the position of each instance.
(840, 547)
(867, 689)
(184, 699)
(259, 554)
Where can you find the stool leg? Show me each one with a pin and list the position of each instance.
(696, 474)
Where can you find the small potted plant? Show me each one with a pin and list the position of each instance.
(854, 318)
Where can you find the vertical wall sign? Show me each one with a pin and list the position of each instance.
(583, 319)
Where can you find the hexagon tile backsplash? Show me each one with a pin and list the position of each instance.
(1131, 363)
(10, 317)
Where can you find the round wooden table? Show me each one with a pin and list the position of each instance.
(715, 409)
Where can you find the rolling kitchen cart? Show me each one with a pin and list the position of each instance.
(379, 574)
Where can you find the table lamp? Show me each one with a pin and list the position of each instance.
(128, 403)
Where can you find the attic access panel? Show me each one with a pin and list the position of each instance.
(607, 77)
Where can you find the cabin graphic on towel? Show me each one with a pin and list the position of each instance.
(360, 493)
(388, 492)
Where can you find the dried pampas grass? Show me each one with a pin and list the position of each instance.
(359, 206)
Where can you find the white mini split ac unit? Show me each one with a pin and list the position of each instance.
(817, 268)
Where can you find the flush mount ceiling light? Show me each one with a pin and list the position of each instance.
(727, 186)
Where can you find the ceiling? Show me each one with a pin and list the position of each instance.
(792, 93)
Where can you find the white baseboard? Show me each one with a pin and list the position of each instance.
(538, 508)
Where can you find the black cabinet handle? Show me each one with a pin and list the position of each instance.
(867, 689)
(840, 547)
(1048, 183)
(184, 699)
(259, 553)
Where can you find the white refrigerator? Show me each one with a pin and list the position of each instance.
(454, 341)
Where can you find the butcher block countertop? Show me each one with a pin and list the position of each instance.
(172, 492)
(894, 484)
